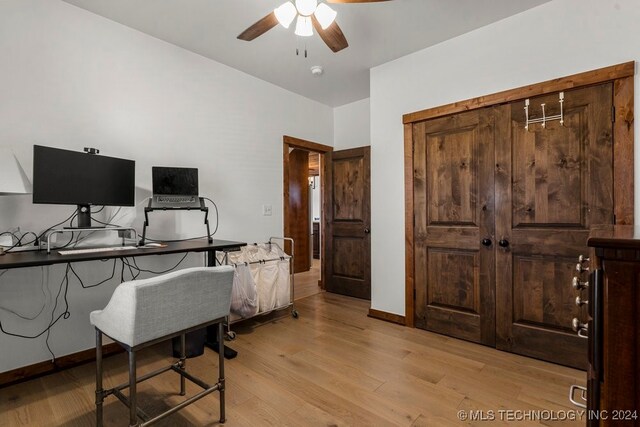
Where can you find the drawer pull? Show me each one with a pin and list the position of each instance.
(581, 328)
(580, 268)
(578, 285)
(583, 396)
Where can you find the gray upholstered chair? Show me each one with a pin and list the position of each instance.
(144, 312)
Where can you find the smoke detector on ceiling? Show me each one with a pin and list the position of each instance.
(317, 70)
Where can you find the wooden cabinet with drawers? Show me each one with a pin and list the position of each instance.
(614, 328)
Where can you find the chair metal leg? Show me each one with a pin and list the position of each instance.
(136, 415)
(133, 417)
(221, 369)
(183, 363)
(99, 390)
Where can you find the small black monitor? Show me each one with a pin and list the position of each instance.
(64, 177)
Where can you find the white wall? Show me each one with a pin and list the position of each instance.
(556, 39)
(71, 79)
(351, 125)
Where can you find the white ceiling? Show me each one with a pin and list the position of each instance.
(377, 33)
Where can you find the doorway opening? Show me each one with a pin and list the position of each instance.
(303, 195)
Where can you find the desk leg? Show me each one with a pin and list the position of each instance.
(212, 331)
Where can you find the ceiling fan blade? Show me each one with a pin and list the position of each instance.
(332, 36)
(259, 28)
(354, 1)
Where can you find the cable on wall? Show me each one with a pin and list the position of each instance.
(64, 284)
(44, 303)
(63, 289)
(113, 273)
(135, 266)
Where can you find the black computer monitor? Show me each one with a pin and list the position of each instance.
(64, 177)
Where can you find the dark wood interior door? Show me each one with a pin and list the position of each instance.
(347, 218)
(299, 222)
(553, 184)
(454, 226)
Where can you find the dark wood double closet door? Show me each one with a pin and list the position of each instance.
(501, 215)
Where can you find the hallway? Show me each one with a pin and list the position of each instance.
(306, 283)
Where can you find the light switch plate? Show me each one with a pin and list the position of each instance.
(267, 210)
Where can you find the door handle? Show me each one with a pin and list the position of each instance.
(486, 242)
(367, 231)
(504, 243)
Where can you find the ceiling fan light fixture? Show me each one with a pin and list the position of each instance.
(306, 7)
(325, 15)
(304, 28)
(285, 14)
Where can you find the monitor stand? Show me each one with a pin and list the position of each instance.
(84, 219)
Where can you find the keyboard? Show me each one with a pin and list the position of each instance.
(94, 250)
(176, 199)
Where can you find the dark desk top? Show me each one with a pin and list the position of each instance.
(39, 258)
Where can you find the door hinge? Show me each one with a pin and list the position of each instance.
(614, 219)
(613, 113)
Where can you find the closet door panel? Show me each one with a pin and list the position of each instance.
(452, 175)
(453, 198)
(541, 295)
(549, 175)
(553, 184)
(453, 287)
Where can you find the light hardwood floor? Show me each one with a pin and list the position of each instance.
(306, 283)
(332, 366)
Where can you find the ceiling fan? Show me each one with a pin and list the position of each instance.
(310, 14)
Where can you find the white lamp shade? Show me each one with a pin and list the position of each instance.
(325, 15)
(304, 27)
(306, 7)
(13, 180)
(285, 14)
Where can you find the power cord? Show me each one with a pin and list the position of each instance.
(140, 270)
(88, 234)
(215, 230)
(63, 284)
(19, 239)
(44, 303)
(69, 218)
(113, 272)
(65, 314)
(38, 237)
